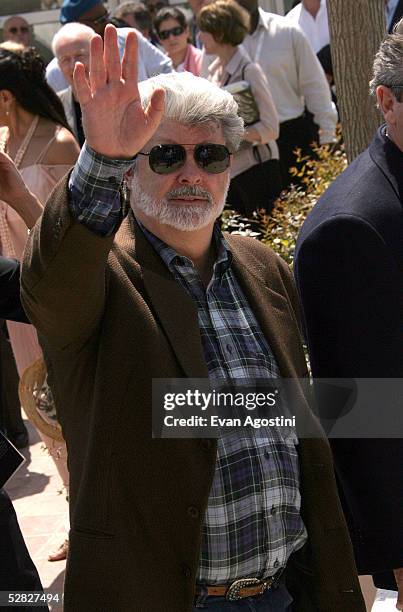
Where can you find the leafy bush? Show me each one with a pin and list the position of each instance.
(280, 228)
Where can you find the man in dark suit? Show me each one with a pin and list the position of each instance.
(121, 295)
(396, 17)
(349, 272)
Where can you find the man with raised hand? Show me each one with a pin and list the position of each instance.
(122, 294)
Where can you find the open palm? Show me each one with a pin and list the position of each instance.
(114, 122)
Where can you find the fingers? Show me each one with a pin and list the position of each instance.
(97, 67)
(111, 55)
(83, 91)
(130, 58)
(155, 109)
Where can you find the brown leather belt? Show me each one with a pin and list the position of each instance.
(244, 587)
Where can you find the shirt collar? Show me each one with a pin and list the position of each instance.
(322, 7)
(232, 65)
(172, 259)
(235, 61)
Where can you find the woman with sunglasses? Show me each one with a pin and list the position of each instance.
(255, 176)
(173, 33)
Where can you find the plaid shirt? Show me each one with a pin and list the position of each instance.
(252, 523)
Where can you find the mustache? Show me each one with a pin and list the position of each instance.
(190, 191)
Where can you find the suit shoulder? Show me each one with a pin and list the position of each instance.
(258, 254)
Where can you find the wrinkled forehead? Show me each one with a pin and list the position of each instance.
(72, 43)
(180, 133)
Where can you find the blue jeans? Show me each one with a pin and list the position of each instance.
(273, 600)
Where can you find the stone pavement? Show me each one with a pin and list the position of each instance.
(42, 514)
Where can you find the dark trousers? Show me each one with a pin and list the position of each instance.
(17, 571)
(297, 133)
(10, 409)
(255, 188)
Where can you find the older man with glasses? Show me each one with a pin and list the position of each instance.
(124, 292)
(93, 14)
(16, 29)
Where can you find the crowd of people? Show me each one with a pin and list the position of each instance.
(165, 118)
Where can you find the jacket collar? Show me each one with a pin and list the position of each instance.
(389, 159)
(177, 312)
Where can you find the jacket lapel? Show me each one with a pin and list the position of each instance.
(389, 159)
(269, 307)
(175, 310)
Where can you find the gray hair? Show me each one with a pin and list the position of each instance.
(71, 30)
(388, 64)
(193, 101)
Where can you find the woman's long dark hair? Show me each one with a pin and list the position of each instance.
(22, 72)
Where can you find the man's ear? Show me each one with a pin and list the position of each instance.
(386, 101)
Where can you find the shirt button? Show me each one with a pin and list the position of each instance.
(193, 511)
(273, 510)
(186, 571)
(229, 348)
(276, 563)
(267, 454)
(206, 444)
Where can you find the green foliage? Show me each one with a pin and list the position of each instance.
(280, 228)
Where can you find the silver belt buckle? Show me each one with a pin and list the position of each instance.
(233, 591)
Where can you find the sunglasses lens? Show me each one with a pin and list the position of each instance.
(175, 32)
(212, 158)
(164, 159)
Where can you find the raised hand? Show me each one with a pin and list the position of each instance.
(114, 121)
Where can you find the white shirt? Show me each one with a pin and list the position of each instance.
(316, 30)
(55, 77)
(293, 72)
(151, 61)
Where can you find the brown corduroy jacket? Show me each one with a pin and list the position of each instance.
(111, 319)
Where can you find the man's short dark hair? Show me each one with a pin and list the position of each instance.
(388, 64)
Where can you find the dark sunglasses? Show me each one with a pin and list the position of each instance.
(21, 30)
(165, 34)
(167, 158)
(98, 20)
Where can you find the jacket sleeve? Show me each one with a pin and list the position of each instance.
(268, 126)
(63, 274)
(314, 87)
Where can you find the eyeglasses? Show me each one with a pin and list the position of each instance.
(98, 20)
(165, 34)
(20, 30)
(81, 56)
(168, 158)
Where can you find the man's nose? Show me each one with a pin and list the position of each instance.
(190, 173)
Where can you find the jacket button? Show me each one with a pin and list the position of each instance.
(186, 571)
(193, 511)
(206, 444)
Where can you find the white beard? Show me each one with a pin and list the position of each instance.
(183, 217)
